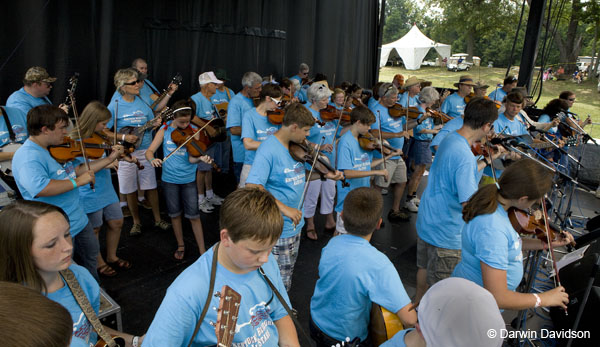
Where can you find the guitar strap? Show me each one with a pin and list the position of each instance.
(11, 133)
(151, 87)
(213, 272)
(86, 307)
(228, 93)
(291, 312)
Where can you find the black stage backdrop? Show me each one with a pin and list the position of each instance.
(95, 38)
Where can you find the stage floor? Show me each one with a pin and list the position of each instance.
(140, 290)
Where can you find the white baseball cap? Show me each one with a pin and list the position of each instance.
(208, 77)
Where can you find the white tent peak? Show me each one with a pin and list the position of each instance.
(413, 48)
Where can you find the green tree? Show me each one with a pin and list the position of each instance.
(399, 18)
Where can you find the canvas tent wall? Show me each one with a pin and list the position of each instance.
(413, 48)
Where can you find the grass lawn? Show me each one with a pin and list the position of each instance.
(588, 98)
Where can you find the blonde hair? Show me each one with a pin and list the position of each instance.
(94, 113)
(122, 76)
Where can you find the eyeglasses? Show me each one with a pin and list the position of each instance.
(277, 102)
(132, 83)
(571, 99)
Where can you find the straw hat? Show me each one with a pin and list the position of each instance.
(480, 85)
(466, 79)
(411, 81)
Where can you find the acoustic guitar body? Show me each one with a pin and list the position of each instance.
(383, 325)
(118, 339)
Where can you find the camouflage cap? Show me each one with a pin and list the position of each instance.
(38, 74)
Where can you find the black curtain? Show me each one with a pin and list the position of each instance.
(95, 38)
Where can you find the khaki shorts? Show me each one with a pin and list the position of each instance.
(439, 262)
(396, 172)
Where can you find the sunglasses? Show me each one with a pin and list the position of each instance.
(132, 83)
(571, 99)
(277, 102)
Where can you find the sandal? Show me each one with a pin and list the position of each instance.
(106, 270)
(179, 254)
(312, 234)
(120, 263)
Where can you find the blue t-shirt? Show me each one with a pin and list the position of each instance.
(390, 125)
(352, 275)
(427, 124)
(235, 110)
(18, 123)
(513, 127)
(351, 157)
(147, 90)
(452, 181)
(451, 126)
(317, 132)
(135, 114)
(179, 311)
(276, 170)
(257, 128)
(33, 168)
(371, 102)
(490, 238)
(84, 334)
(204, 108)
(497, 95)
(412, 100)
(220, 97)
(177, 169)
(398, 339)
(454, 105)
(24, 101)
(104, 193)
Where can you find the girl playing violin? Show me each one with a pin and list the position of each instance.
(354, 93)
(102, 201)
(492, 249)
(35, 247)
(337, 99)
(179, 177)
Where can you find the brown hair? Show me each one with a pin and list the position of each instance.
(183, 103)
(270, 90)
(16, 239)
(362, 211)
(566, 94)
(363, 115)
(93, 113)
(296, 113)
(523, 178)
(44, 116)
(29, 319)
(251, 213)
(515, 98)
(479, 112)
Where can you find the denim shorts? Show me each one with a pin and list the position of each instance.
(110, 212)
(420, 152)
(178, 194)
(202, 166)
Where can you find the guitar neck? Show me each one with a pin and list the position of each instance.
(159, 99)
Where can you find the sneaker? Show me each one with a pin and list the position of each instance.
(411, 206)
(205, 206)
(417, 201)
(145, 204)
(126, 212)
(136, 229)
(398, 216)
(162, 225)
(384, 192)
(215, 200)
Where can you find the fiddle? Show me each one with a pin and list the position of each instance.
(99, 138)
(526, 224)
(71, 149)
(439, 115)
(472, 96)
(330, 113)
(398, 110)
(368, 142)
(302, 152)
(195, 147)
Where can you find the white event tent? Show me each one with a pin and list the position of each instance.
(412, 48)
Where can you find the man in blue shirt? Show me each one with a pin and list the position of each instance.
(510, 82)
(148, 92)
(303, 71)
(454, 105)
(37, 84)
(250, 226)
(275, 170)
(412, 88)
(452, 181)
(221, 99)
(13, 132)
(394, 130)
(240, 103)
(353, 274)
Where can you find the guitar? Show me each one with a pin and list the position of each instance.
(383, 324)
(6, 166)
(164, 116)
(216, 130)
(71, 91)
(227, 315)
(176, 80)
(118, 340)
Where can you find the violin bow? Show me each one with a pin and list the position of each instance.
(546, 221)
(73, 82)
(336, 130)
(312, 168)
(188, 140)
(381, 144)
